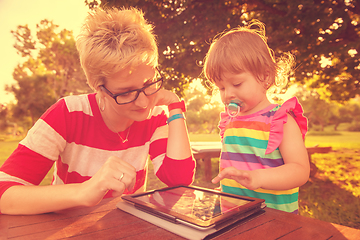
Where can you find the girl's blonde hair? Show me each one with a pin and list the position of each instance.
(245, 49)
(112, 40)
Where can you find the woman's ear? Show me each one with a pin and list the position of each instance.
(100, 99)
(99, 91)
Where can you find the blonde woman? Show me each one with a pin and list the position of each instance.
(99, 143)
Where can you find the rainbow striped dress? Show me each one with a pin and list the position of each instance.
(251, 142)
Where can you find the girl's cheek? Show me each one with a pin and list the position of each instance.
(222, 96)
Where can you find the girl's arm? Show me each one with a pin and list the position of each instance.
(294, 172)
(296, 169)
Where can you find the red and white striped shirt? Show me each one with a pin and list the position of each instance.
(73, 135)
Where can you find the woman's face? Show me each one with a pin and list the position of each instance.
(126, 80)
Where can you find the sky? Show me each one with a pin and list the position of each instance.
(68, 14)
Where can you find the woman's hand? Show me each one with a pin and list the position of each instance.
(246, 178)
(115, 174)
(165, 97)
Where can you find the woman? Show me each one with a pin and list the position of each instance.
(100, 142)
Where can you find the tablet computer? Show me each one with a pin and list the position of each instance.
(197, 207)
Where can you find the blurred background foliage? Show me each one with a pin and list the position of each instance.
(323, 35)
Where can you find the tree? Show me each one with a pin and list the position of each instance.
(341, 114)
(3, 117)
(33, 94)
(51, 70)
(322, 34)
(322, 112)
(317, 110)
(202, 115)
(354, 109)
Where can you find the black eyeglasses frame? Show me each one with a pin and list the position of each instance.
(114, 96)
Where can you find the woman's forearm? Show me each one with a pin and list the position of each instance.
(39, 199)
(178, 146)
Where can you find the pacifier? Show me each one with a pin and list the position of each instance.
(233, 107)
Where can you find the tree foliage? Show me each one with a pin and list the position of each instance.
(322, 113)
(3, 117)
(202, 116)
(51, 70)
(322, 34)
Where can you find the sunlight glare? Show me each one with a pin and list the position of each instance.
(352, 52)
(215, 99)
(325, 62)
(67, 14)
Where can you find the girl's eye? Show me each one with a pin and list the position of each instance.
(237, 85)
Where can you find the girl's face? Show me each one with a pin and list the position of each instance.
(244, 87)
(128, 80)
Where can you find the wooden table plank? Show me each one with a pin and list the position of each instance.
(310, 229)
(105, 221)
(79, 225)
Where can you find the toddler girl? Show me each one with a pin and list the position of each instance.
(263, 153)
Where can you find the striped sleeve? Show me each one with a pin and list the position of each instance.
(170, 171)
(286, 200)
(34, 156)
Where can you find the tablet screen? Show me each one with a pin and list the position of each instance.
(193, 203)
(199, 207)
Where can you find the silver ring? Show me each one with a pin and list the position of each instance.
(121, 177)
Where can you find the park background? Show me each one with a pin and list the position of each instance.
(322, 35)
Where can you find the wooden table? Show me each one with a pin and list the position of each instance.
(105, 221)
(204, 151)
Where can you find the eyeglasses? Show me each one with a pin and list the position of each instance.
(131, 96)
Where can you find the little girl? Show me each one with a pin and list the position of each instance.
(263, 153)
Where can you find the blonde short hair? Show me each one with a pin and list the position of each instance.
(246, 49)
(112, 40)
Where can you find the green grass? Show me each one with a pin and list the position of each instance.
(342, 140)
(8, 146)
(204, 137)
(331, 195)
(335, 139)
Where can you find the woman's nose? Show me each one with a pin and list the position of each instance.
(142, 100)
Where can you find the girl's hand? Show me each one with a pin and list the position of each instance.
(115, 174)
(246, 178)
(165, 97)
